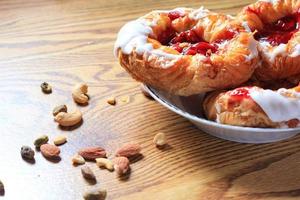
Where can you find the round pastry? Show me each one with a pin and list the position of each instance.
(255, 107)
(276, 24)
(186, 51)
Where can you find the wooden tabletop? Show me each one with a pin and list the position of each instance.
(65, 42)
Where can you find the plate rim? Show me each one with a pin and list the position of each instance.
(212, 123)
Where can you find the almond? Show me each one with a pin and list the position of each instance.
(129, 150)
(121, 165)
(91, 153)
(50, 151)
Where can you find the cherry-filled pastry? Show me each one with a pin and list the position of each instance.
(248, 65)
(186, 51)
(276, 25)
(253, 106)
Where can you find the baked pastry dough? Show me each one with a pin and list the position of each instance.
(186, 51)
(254, 107)
(276, 24)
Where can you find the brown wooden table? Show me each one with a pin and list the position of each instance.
(65, 42)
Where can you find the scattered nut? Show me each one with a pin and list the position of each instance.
(121, 165)
(95, 194)
(2, 189)
(59, 140)
(58, 109)
(104, 162)
(129, 150)
(87, 173)
(145, 92)
(46, 88)
(79, 93)
(43, 139)
(50, 151)
(27, 153)
(160, 139)
(125, 99)
(68, 119)
(111, 101)
(78, 160)
(91, 153)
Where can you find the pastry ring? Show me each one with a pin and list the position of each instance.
(186, 51)
(276, 24)
(255, 107)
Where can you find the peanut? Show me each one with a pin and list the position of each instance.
(78, 160)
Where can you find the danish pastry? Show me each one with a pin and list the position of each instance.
(186, 51)
(276, 24)
(254, 107)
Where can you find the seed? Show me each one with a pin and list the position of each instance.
(125, 99)
(50, 151)
(27, 152)
(78, 160)
(104, 162)
(160, 139)
(46, 88)
(145, 92)
(95, 194)
(2, 189)
(59, 140)
(58, 109)
(87, 173)
(43, 139)
(111, 101)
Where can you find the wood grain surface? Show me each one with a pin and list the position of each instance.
(65, 42)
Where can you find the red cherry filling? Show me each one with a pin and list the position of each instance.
(239, 94)
(188, 42)
(281, 31)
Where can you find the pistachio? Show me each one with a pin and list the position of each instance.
(43, 139)
(27, 152)
(59, 140)
(58, 109)
(95, 194)
(46, 88)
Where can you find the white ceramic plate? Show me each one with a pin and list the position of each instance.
(191, 109)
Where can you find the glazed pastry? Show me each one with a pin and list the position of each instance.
(186, 51)
(255, 107)
(276, 25)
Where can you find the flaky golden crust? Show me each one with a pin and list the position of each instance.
(232, 65)
(273, 66)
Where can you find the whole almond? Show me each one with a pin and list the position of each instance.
(160, 139)
(87, 173)
(78, 160)
(50, 151)
(121, 165)
(59, 140)
(129, 150)
(91, 153)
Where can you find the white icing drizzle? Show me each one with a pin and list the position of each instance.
(253, 49)
(199, 13)
(296, 51)
(272, 52)
(280, 106)
(246, 26)
(132, 35)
